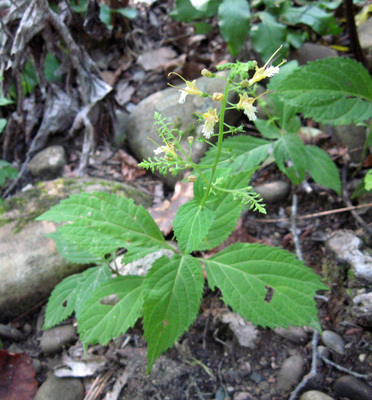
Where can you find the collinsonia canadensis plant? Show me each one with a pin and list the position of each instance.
(266, 285)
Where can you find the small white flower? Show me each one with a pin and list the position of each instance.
(250, 111)
(246, 104)
(211, 118)
(183, 96)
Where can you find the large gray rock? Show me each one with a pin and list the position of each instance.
(312, 52)
(30, 266)
(141, 121)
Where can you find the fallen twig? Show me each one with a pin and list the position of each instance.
(312, 374)
(296, 239)
(318, 214)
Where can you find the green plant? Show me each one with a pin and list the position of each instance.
(269, 23)
(7, 171)
(265, 285)
(106, 12)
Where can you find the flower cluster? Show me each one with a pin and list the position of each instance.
(245, 102)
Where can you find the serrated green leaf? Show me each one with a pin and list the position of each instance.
(70, 251)
(319, 20)
(68, 296)
(93, 279)
(322, 169)
(332, 91)
(268, 36)
(266, 285)
(234, 22)
(243, 152)
(104, 222)
(62, 301)
(173, 293)
(267, 128)
(291, 157)
(191, 225)
(226, 212)
(100, 322)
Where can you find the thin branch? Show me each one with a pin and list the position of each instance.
(312, 374)
(319, 214)
(348, 371)
(296, 239)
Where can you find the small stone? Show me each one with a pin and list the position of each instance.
(244, 396)
(334, 342)
(290, 373)
(244, 330)
(315, 395)
(352, 388)
(53, 340)
(362, 309)
(294, 334)
(273, 192)
(323, 352)
(60, 389)
(48, 163)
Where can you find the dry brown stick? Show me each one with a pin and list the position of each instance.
(319, 214)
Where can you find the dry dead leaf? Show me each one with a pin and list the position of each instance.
(129, 166)
(165, 212)
(158, 58)
(17, 377)
(124, 92)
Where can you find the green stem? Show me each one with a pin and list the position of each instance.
(219, 143)
(365, 148)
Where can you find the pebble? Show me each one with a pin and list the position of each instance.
(334, 342)
(48, 163)
(53, 340)
(324, 352)
(273, 192)
(315, 395)
(244, 396)
(352, 388)
(8, 332)
(60, 389)
(362, 309)
(294, 334)
(290, 373)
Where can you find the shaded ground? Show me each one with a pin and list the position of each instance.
(209, 363)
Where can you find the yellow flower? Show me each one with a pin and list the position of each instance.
(190, 88)
(246, 104)
(211, 119)
(267, 71)
(168, 148)
(218, 96)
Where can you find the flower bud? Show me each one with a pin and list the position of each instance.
(190, 139)
(244, 83)
(206, 73)
(218, 96)
(191, 178)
